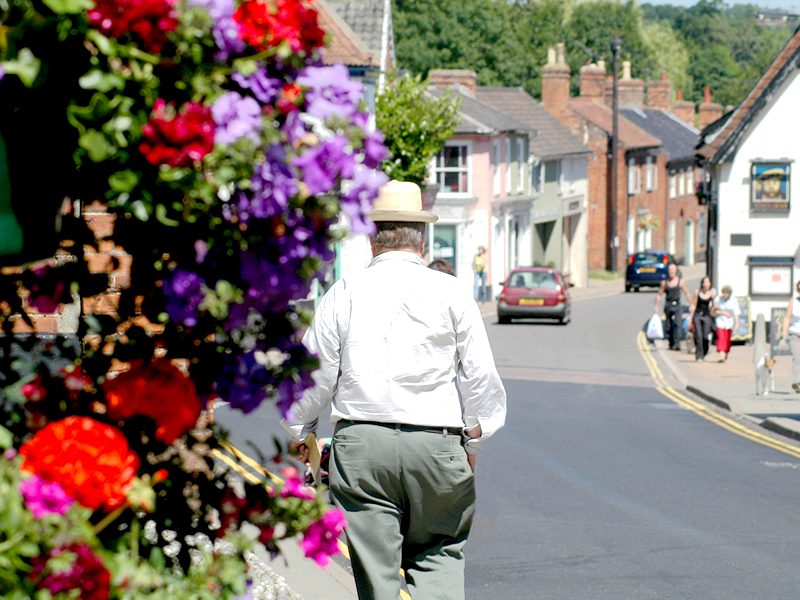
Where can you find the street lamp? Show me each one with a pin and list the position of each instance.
(616, 45)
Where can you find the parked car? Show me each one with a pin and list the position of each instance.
(647, 269)
(534, 292)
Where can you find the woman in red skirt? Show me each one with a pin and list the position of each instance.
(726, 311)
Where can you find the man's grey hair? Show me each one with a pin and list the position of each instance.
(391, 235)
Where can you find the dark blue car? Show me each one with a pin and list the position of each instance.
(647, 269)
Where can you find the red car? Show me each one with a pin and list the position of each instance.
(534, 292)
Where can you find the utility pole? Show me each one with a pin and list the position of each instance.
(616, 44)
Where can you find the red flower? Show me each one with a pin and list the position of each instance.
(289, 98)
(177, 139)
(87, 573)
(91, 460)
(147, 20)
(267, 23)
(157, 390)
(34, 391)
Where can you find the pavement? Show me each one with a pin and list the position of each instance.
(730, 385)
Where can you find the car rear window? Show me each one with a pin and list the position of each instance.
(647, 259)
(532, 279)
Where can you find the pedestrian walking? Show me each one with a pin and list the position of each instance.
(726, 312)
(700, 317)
(791, 333)
(479, 268)
(391, 341)
(672, 286)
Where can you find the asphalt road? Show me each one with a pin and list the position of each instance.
(599, 487)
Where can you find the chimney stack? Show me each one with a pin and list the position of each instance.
(467, 80)
(683, 109)
(631, 91)
(659, 93)
(593, 82)
(555, 81)
(708, 111)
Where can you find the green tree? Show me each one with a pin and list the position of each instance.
(416, 125)
(667, 52)
(538, 26)
(460, 34)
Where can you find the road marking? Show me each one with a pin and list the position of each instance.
(723, 421)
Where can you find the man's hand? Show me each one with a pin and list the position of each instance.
(299, 451)
(472, 459)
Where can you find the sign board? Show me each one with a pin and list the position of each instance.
(770, 187)
(778, 345)
(745, 331)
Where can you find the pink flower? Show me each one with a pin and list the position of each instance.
(43, 498)
(320, 539)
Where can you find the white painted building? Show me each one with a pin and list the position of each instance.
(754, 218)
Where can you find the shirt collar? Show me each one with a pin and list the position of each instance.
(397, 255)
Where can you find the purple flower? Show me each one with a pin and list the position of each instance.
(294, 486)
(322, 164)
(2, 72)
(330, 91)
(226, 29)
(357, 201)
(184, 292)
(273, 185)
(244, 382)
(200, 251)
(294, 127)
(264, 88)
(374, 149)
(320, 539)
(236, 117)
(43, 498)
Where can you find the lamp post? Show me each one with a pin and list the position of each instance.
(616, 44)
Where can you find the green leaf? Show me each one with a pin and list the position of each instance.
(72, 7)
(26, 67)
(103, 82)
(102, 42)
(96, 145)
(123, 181)
(161, 215)
(6, 439)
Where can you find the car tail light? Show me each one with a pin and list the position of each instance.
(503, 295)
(562, 298)
(630, 259)
(664, 259)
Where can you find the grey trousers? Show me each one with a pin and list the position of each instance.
(794, 345)
(409, 499)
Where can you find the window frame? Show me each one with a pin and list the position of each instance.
(467, 168)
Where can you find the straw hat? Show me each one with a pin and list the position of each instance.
(401, 201)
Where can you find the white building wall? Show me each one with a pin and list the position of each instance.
(772, 137)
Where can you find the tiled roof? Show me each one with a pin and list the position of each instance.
(365, 18)
(630, 135)
(679, 139)
(479, 117)
(552, 139)
(346, 47)
(720, 140)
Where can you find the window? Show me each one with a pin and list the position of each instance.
(496, 165)
(682, 183)
(451, 170)
(520, 166)
(690, 180)
(536, 178)
(673, 185)
(649, 174)
(671, 237)
(559, 177)
(508, 165)
(702, 228)
(634, 178)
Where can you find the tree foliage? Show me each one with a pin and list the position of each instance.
(416, 125)
(505, 42)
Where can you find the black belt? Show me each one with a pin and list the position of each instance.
(407, 427)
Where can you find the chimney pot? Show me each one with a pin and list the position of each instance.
(551, 56)
(626, 69)
(663, 76)
(601, 64)
(707, 95)
(680, 95)
(560, 53)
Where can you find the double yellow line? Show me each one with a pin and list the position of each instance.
(723, 421)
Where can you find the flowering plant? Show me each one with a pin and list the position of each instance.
(225, 149)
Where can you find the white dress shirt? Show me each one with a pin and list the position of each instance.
(391, 341)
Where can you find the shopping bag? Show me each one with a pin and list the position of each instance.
(655, 330)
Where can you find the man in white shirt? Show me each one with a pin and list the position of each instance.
(391, 341)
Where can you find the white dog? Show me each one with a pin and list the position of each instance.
(764, 381)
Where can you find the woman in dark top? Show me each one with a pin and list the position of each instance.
(672, 286)
(700, 317)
